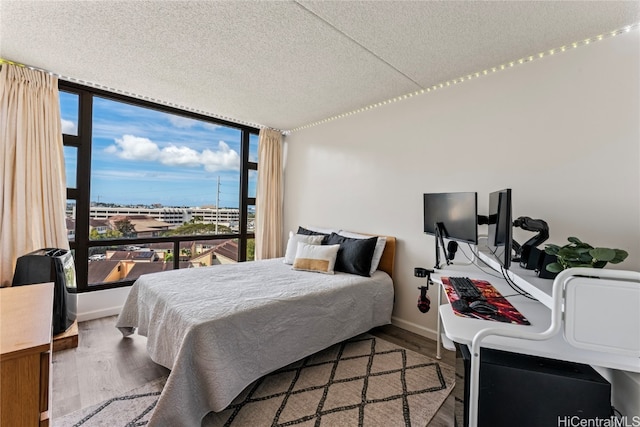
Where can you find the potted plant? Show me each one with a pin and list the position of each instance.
(579, 254)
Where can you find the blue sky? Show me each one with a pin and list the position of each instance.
(143, 156)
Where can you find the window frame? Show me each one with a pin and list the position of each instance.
(82, 193)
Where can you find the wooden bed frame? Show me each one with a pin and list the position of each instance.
(387, 261)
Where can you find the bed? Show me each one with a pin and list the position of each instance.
(220, 328)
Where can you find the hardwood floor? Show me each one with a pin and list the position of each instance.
(106, 365)
(102, 366)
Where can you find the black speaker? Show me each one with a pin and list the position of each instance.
(528, 391)
(546, 259)
(531, 258)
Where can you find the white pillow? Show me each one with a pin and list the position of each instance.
(377, 252)
(292, 244)
(318, 258)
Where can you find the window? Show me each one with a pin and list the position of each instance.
(151, 188)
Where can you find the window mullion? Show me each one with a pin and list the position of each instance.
(83, 180)
(244, 193)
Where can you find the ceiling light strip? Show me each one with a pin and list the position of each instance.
(475, 75)
(133, 95)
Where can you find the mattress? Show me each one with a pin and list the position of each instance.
(220, 328)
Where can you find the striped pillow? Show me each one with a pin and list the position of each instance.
(318, 258)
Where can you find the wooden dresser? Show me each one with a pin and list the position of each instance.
(25, 359)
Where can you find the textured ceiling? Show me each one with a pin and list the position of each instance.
(285, 64)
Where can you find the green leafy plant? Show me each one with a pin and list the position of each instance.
(579, 254)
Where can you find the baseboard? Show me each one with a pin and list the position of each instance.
(97, 304)
(97, 314)
(415, 328)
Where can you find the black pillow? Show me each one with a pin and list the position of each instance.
(354, 255)
(307, 232)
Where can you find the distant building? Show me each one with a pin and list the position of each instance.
(118, 265)
(204, 259)
(172, 216)
(101, 226)
(227, 252)
(71, 229)
(113, 271)
(133, 256)
(143, 225)
(100, 216)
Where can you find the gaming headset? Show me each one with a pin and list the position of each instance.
(424, 303)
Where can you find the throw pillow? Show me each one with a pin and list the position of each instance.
(292, 244)
(377, 253)
(355, 255)
(317, 258)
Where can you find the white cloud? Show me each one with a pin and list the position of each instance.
(181, 122)
(131, 147)
(179, 156)
(69, 127)
(224, 158)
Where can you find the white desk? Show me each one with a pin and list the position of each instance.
(462, 330)
(544, 337)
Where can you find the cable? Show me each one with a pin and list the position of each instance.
(489, 273)
(504, 276)
(466, 256)
(515, 287)
(511, 295)
(617, 412)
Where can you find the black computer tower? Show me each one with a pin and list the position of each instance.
(528, 391)
(57, 266)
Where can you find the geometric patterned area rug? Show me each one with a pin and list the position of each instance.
(364, 381)
(132, 409)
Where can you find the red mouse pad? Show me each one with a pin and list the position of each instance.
(506, 312)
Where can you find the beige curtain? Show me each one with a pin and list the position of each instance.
(32, 205)
(269, 196)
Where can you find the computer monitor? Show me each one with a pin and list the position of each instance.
(500, 232)
(457, 213)
(452, 216)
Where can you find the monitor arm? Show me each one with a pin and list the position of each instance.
(440, 234)
(537, 225)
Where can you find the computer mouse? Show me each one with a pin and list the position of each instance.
(483, 307)
(460, 305)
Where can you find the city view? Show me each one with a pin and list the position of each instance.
(112, 263)
(154, 174)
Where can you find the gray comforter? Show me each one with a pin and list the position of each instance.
(220, 328)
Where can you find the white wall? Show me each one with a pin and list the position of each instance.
(562, 132)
